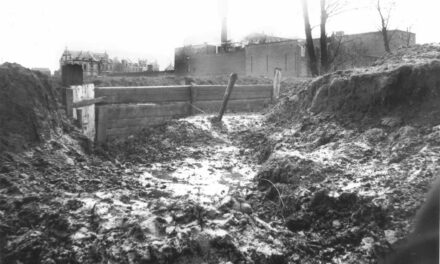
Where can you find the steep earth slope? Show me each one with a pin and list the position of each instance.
(28, 107)
(352, 155)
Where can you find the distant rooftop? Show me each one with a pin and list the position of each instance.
(85, 55)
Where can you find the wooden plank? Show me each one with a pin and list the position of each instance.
(127, 98)
(88, 102)
(69, 102)
(216, 92)
(192, 96)
(276, 84)
(234, 105)
(142, 98)
(143, 87)
(144, 94)
(101, 123)
(124, 111)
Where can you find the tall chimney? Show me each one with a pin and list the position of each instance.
(223, 8)
(224, 37)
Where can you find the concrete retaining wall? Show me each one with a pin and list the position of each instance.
(125, 110)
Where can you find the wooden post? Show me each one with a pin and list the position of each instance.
(101, 123)
(79, 117)
(232, 80)
(69, 102)
(276, 84)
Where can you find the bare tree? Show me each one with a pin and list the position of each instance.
(323, 38)
(309, 40)
(329, 8)
(385, 15)
(350, 54)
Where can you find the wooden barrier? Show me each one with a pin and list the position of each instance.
(124, 110)
(144, 94)
(124, 119)
(216, 92)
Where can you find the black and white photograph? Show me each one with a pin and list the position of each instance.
(219, 132)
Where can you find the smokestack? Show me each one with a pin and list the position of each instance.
(224, 37)
(223, 8)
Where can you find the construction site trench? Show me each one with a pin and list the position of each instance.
(333, 172)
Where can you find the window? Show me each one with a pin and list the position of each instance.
(251, 63)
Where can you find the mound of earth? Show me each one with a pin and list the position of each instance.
(352, 155)
(402, 86)
(411, 54)
(27, 107)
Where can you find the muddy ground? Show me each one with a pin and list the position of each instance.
(321, 194)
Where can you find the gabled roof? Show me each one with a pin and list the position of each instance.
(85, 55)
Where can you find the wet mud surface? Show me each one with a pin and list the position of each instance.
(244, 192)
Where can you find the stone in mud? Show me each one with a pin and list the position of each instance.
(245, 208)
(336, 224)
(69, 161)
(230, 202)
(211, 213)
(407, 132)
(374, 135)
(170, 230)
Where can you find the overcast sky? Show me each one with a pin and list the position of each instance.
(35, 33)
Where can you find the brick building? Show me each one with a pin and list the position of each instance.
(288, 55)
(254, 59)
(92, 63)
(260, 58)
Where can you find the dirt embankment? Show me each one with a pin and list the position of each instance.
(28, 107)
(352, 155)
(405, 85)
